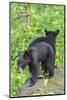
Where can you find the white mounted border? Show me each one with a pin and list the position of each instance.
(4, 49)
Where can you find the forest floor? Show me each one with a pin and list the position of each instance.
(44, 86)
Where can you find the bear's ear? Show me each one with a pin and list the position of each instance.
(57, 31)
(46, 31)
(26, 54)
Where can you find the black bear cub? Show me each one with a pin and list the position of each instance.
(50, 39)
(41, 51)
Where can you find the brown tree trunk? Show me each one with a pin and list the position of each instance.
(27, 17)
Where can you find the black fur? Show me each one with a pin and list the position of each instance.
(41, 50)
(50, 39)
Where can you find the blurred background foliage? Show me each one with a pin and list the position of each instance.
(41, 16)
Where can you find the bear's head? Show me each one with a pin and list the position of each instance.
(23, 60)
(51, 34)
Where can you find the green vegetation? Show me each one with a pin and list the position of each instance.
(41, 17)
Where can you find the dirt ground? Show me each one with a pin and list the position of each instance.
(44, 86)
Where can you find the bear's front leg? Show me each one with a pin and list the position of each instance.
(32, 81)
(34, 71)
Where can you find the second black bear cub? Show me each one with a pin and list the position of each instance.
(50, 39)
